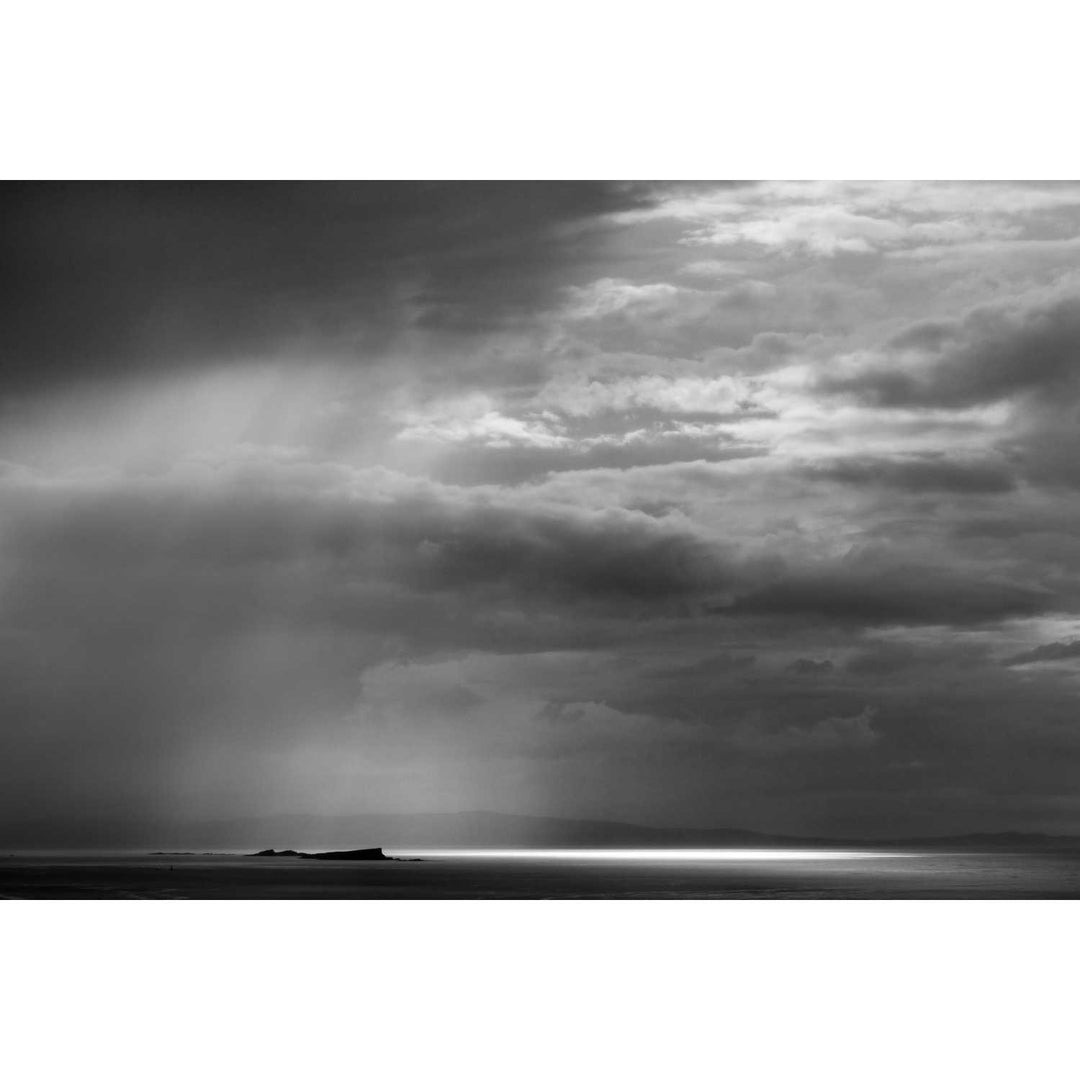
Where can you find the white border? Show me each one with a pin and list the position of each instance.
(519, 990)
(948, 89)
(882, 989)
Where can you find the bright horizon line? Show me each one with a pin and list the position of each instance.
(670, 854)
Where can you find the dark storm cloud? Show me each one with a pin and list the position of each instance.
(424, 536)
(352, 529)
(918, 741)
(1056, 650)
(720, 663)
(878, 660)
(813, 668)
(887, 594)
(919, 473)
(154, 623)
(994, 352)
(103, 277)
(151, 619)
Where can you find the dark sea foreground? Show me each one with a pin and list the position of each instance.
(521, 875)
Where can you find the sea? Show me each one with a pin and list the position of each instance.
(530, 874)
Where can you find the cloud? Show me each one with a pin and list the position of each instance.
(722, 395)
(994, 353)
(169, 639)
(836, 733)
(155, 276)
(918, 473)
(1056, 650)
(817, 230)
(324, 498)
(367, 524)
(889, 660)
(472, 463)
(875, 592)
(656, 317)
(830, 218)
(805, 666)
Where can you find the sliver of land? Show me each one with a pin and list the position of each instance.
(371, 854)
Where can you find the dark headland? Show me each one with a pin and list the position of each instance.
(371, 854)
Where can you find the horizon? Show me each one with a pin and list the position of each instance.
(351, 828)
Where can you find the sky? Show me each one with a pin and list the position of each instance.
(732, 504)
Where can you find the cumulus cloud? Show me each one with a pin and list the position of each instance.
(828, 218)
(993, 353)
(723, 395)
(819, 230)
(651, 316)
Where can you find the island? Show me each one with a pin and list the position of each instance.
(371, 854)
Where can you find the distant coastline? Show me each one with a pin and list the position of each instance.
(319, 835)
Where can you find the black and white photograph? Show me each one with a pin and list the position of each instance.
(542, 541)
(579, 539)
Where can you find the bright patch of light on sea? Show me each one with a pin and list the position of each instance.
(656, 854)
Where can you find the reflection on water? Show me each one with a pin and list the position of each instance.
(722, 874)
(657, 855)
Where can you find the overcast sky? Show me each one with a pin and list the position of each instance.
(733, 504)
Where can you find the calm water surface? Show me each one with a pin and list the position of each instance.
(530, 875)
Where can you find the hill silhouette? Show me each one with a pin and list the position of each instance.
(374, 854)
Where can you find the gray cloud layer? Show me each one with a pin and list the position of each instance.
(722, 505)
(992, 353)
